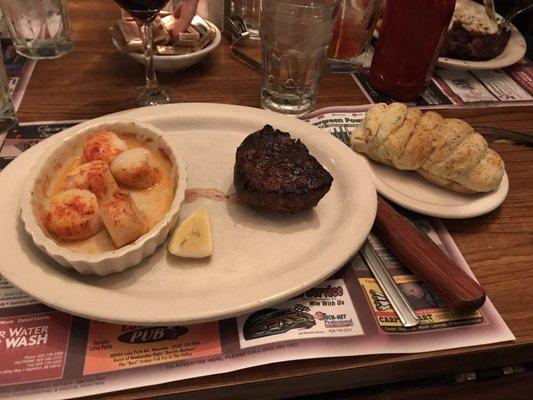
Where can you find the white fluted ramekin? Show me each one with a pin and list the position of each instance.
(35, 199)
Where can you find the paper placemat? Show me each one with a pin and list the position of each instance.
(48, 354)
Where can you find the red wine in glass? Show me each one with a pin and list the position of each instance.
(145, 10)
(144, 13)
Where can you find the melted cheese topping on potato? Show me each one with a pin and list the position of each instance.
(474, 19)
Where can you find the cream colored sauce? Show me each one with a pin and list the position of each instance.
(154, 202)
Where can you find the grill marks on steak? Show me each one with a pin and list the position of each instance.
(275, 172)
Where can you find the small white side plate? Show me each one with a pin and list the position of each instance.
(411, 191)
(515, 50)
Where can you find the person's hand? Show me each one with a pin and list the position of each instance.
(184, 14)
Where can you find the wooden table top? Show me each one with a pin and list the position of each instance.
(95, 78)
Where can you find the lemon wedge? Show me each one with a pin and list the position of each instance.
(192, 238)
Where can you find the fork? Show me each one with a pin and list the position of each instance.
(517, 9)
(390, 288)
(392, 291)
(342, 133)
(491, 134)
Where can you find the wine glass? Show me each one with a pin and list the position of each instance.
(144, 13)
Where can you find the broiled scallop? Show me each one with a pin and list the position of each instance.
(103, 146)
(93, 176)
(73, 215)
(135, 168)
(122, 219)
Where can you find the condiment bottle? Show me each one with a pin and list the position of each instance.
(408, 46)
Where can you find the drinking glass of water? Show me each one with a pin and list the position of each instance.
(8, 117)
(295, 35)
(39, 28)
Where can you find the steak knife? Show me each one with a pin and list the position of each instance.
(423, 257)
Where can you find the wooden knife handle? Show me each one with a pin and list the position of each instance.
(417, 252)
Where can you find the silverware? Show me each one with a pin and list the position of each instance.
(390, 288)
(513, 12)
(237, 28)
(239, 55)
(504, 136)
(238, 31)
(342, 133)
(490, 9)
(491, 134)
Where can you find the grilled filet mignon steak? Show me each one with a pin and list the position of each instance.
(275, 172)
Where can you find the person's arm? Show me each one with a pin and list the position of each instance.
(184, 14)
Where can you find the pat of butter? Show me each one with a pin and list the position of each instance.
(192, 238)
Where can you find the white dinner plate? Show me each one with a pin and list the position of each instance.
(259, 259)
(409, 190)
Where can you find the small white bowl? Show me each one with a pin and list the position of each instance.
(170, 63)
(35, 197)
